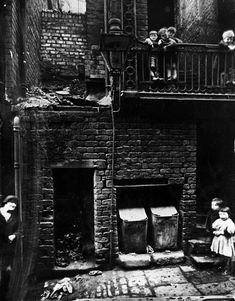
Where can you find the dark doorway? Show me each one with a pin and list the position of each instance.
(214, 162)
(73, 215)
(160, 14)
(226, 15)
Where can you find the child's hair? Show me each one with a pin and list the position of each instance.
(225, 209)
(217, 201)
(172, 29)
(152, 32)
(227, 34)
(10, 199)
(162, 31)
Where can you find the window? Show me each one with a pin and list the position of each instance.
(73, 6)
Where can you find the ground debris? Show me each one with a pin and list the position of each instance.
(149, 249)
(54, 94)
(95, 273)
(68, 249)
(106, 100)
(56, 290)
(36, 97)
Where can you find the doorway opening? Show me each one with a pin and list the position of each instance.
(160, 14)
(214, 163)
(73, 215)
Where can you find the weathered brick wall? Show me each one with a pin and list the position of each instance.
(11, 53)
(64, 42)
(95, 24)
(32, 40)
(22, 45)
(95, 21)
(197, 21)
(143, 149)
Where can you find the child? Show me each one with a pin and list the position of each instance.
(227, 77)
(222, 243)
(165, 42)
(228, 40)
(152, 41)
(172, 32)
(213, 214)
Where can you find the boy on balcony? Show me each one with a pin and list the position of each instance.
(228, 40)
(172, 32)
(227, 76)
(152, 41)
(167, 59)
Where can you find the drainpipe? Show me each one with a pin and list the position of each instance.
(2, 79)
(1, 122)
(18, 178)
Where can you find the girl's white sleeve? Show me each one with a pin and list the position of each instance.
(216, 224)
(231, 227)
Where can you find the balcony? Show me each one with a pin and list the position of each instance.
(201, 71)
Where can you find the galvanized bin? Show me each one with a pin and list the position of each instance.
(133, 228)
(165, 222)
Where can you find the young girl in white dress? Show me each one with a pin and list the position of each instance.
(223, 231)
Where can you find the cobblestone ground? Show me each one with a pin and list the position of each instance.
(174, 281)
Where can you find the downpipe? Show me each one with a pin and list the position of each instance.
(18, 178)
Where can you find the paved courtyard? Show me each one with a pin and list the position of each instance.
(173, 281)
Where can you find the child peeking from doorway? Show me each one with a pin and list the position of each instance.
(213, 214)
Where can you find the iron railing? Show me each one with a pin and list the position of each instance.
(189, 68)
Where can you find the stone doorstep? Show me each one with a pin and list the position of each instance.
(199, 246)
(134, 260)
(203, 259)
(73, 269)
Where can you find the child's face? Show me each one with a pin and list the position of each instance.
(153, 36)
(10, 206)
(171, 34)
(165, 36)
(229, 40)
(223, 215)
(214, 206)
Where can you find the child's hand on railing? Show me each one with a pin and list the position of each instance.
(11, 237)
(149, 42)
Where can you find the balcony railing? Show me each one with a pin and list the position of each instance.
(186, 68)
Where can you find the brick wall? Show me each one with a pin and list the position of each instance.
(95, 24)
(32, 40)
(70, 44)
(64, 42)
(95, 21)
(22, 45)
(143, 149)
(11, 53)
